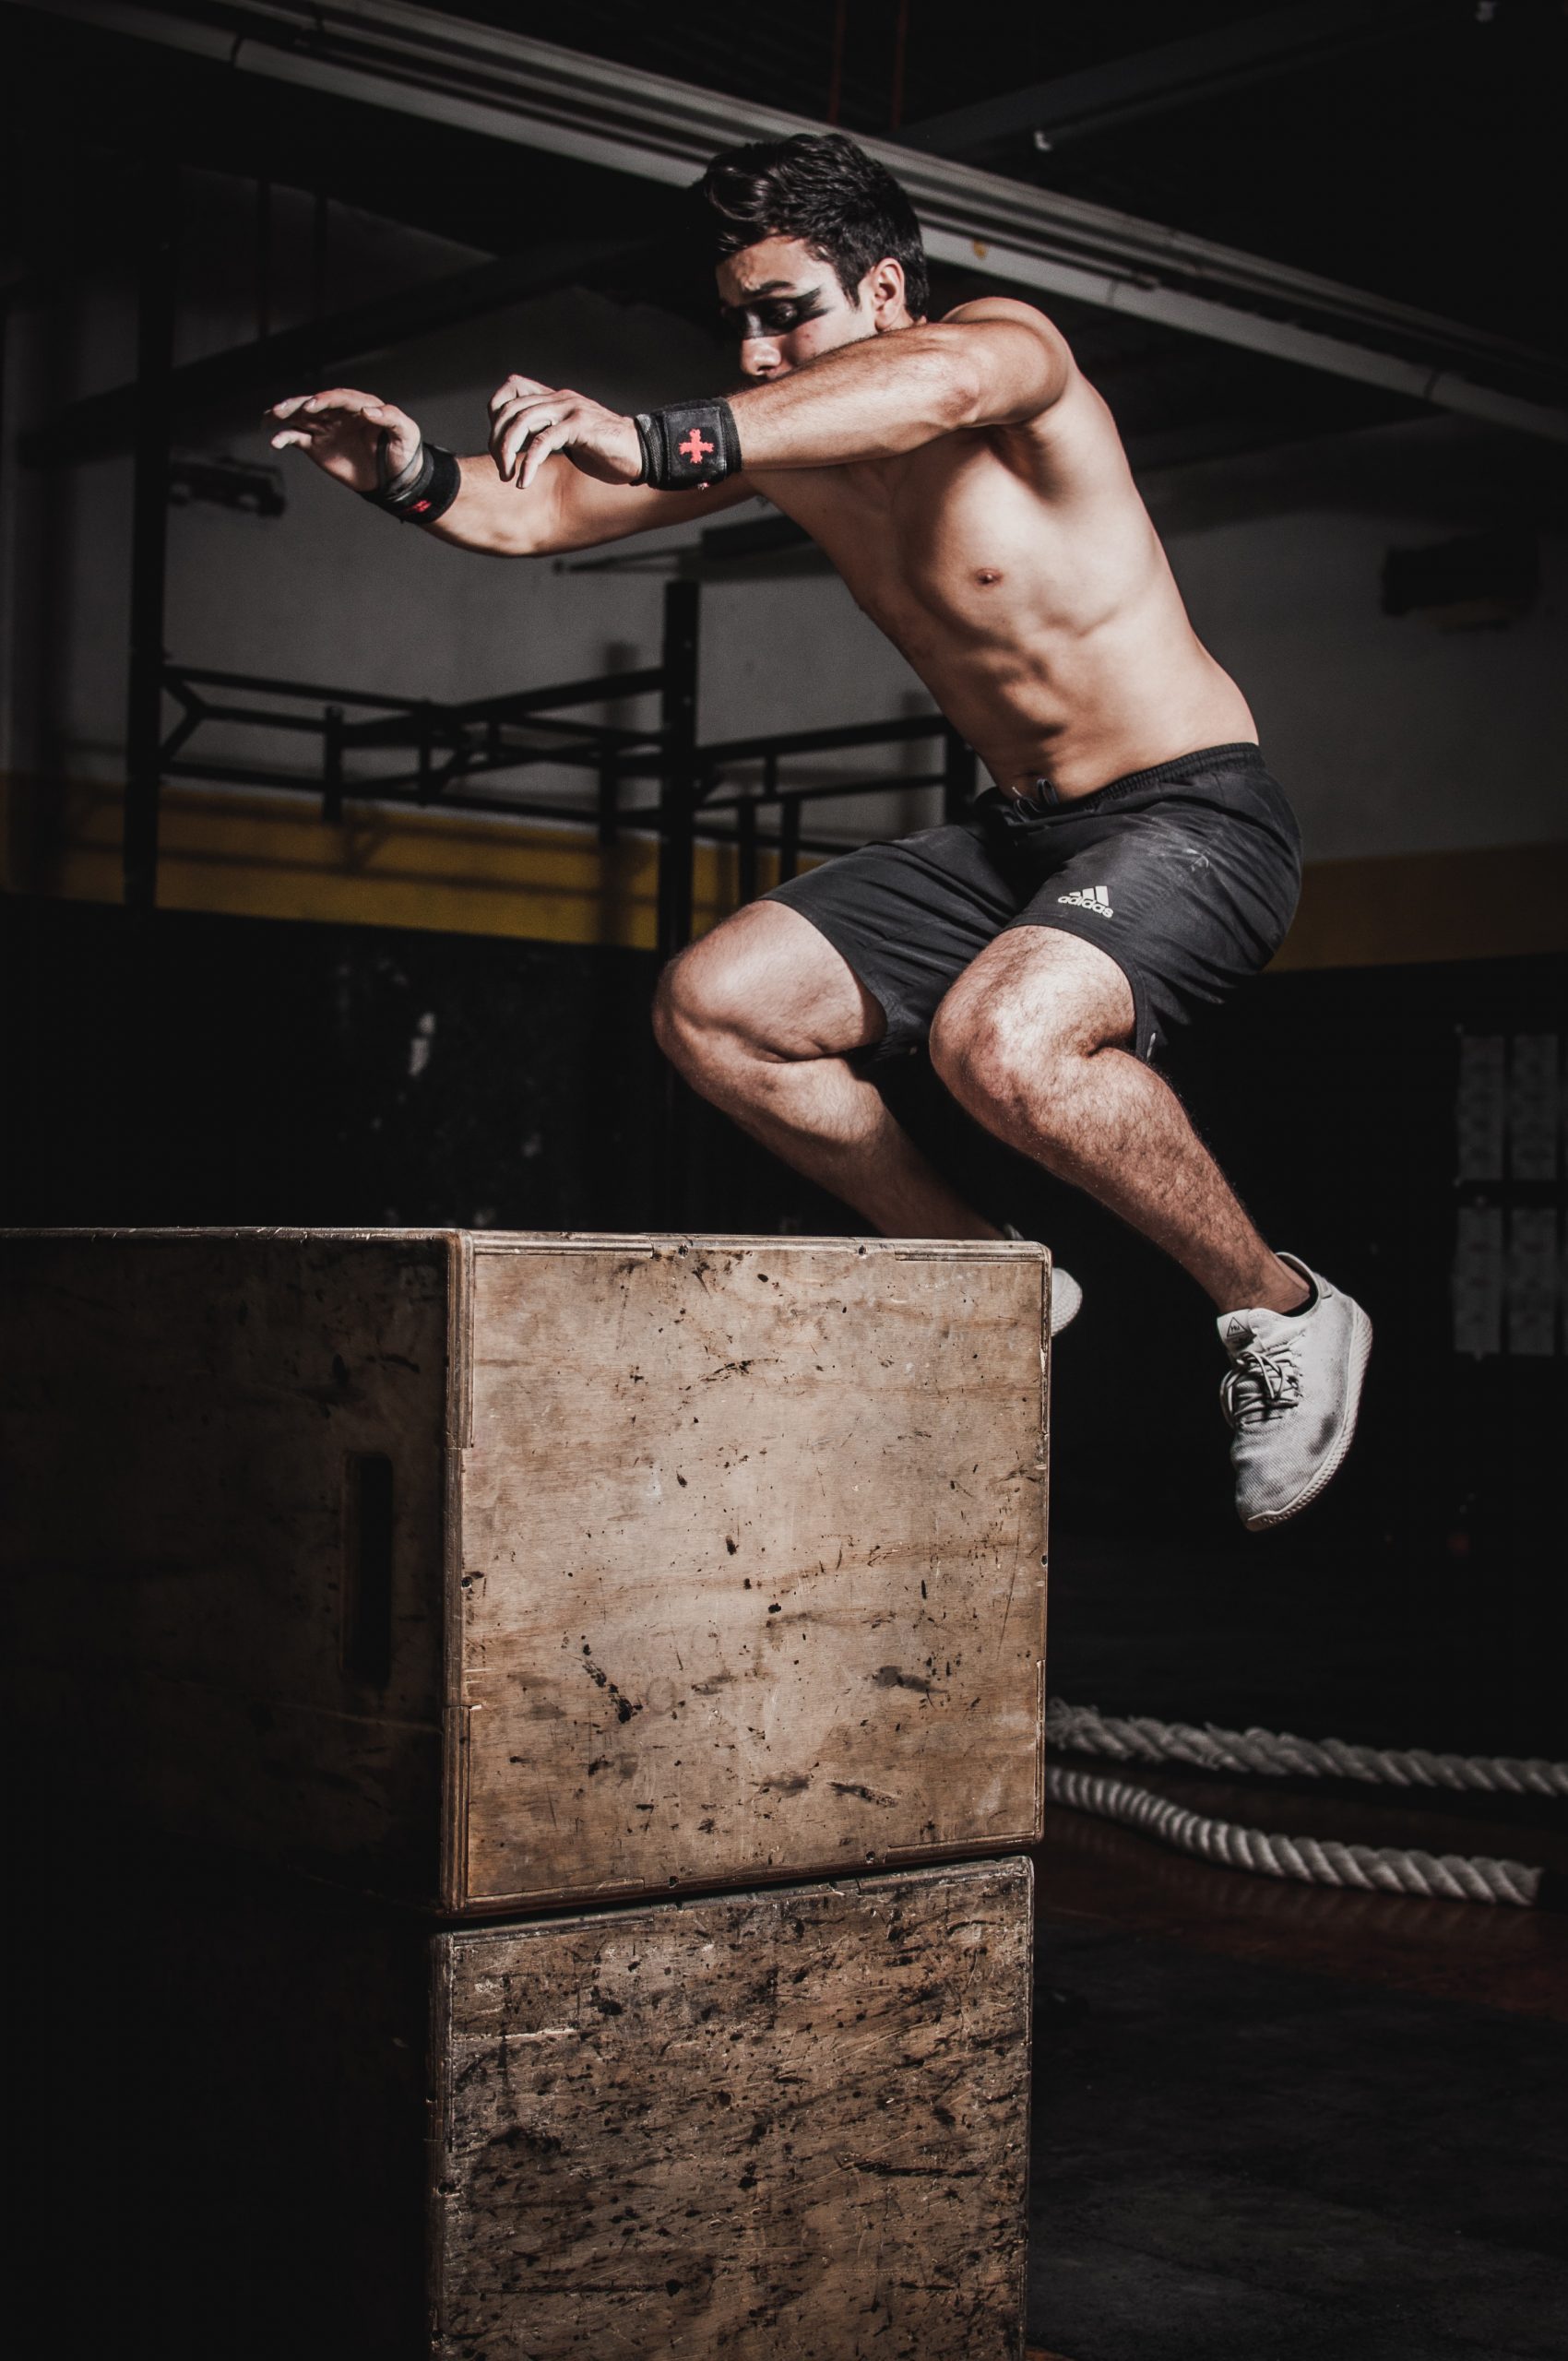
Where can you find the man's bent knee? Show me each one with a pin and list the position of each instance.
(1030, 1011)
(996, 1049)
(983, 1054)
(768, 984)
(699, 1006)
(679, 1004)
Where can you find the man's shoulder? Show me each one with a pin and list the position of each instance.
(988, 311)
(1003, 307)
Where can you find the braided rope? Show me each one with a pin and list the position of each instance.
(1449, 1876)
(1082, 1730)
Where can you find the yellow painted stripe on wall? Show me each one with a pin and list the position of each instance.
(1398, 909)
(247, 855)
(256, 856)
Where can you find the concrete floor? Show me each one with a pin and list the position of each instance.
(1277, 2123)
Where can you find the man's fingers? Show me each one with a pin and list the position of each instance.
(520, 426)
(346, 402)
(323, 411)
(501, 419)
(347, 397)
(514, 387)
(308, 432)
(519, 438)
(537, 397)
(555, 438)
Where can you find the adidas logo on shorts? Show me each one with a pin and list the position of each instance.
(1092, 897)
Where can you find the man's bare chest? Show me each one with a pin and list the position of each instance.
(943, 541)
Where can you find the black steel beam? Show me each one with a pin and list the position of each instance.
(275, 365)
(146, 419)
(887, 783)
(816, 742)
(605, 685)
(957, 774)
(262, 683)
(746, 844)
(827, 846)
(375, 792)
(311, 723)
(678, 786)
(1152, 81)
(789, 839)
(463, 743)
(676, 823)
(639, 820)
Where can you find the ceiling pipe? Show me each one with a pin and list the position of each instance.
(479, 78)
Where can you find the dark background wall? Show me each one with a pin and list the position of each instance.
(275, 1045)
(208, 1070)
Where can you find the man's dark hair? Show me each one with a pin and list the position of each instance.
(823, 189)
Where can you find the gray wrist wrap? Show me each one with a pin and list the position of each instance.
(423, 491)
(688, 444)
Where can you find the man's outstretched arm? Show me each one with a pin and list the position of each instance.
(995, 362)
(362, 442)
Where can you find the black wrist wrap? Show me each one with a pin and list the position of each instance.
(423, 491)
(688, 444)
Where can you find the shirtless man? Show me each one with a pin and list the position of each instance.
(1132, 862)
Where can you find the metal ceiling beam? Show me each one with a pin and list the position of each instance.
(104, 424)
(1152, 81)
(394, 54)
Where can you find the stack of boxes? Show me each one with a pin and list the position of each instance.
(561, 1718)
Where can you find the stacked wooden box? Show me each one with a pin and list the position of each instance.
(576, 1703)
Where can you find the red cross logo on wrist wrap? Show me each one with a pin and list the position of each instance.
(695, 448)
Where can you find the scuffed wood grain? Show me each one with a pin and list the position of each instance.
(752, 1536)
(786, 2123)
(178, 1415)
(714, 1560)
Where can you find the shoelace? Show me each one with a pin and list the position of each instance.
(1260, 1379)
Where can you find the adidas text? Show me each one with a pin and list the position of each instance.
(1092, 897)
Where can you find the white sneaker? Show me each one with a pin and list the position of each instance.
(1291, 1395)
(1066, 1295)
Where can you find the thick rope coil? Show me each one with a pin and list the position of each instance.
(1448, 1876)
(1082, 1730)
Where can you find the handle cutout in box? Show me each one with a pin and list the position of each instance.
(366, 1645)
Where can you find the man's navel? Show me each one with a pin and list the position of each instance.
(986, 576)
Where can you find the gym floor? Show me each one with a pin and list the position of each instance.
(1278, 2122)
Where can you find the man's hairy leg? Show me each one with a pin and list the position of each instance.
(1028, 1040)
(761, 1018)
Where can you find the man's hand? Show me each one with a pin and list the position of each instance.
(342, 430)
(528, 421)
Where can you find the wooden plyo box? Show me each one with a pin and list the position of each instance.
(493, 1576)
(497, 1573)
(728, 2128)
(830, 2161)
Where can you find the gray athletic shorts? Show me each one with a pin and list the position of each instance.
(1187, 875)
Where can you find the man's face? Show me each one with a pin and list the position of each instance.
(785, 306)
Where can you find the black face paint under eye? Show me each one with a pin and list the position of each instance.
(775, 314)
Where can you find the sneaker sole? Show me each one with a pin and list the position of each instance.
(1066, 1295)
(1066, 1299)
(1360, 1353)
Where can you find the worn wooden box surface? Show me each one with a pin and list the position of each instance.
(281, 2120)
(504, 1570)
(789, 2122)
